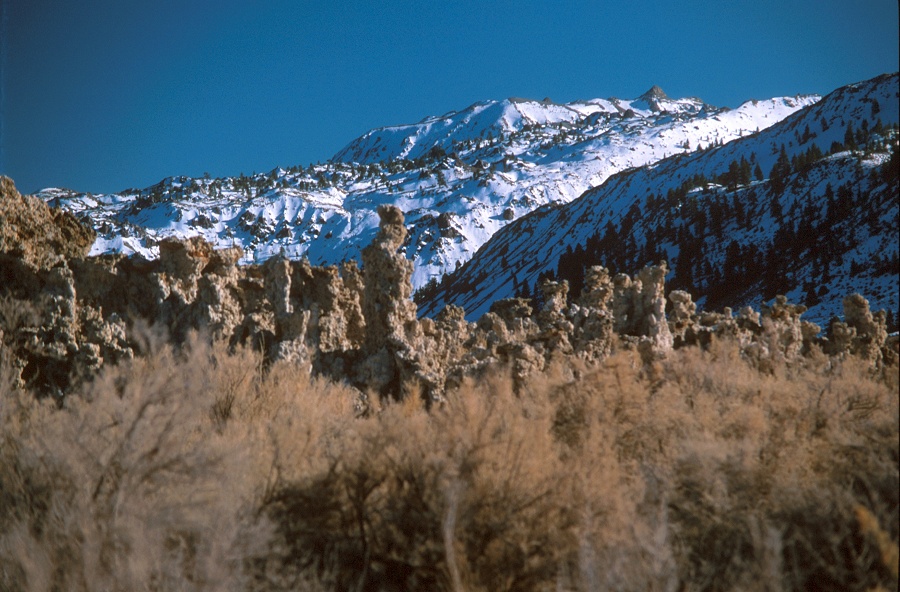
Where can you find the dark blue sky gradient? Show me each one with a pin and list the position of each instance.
(101, 95)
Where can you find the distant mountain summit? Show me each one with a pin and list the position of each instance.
(508, 116)
(458, 178)
(655, 98)
(807, 207)
(654, 93)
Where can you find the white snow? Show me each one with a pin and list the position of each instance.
(460, 178)
(534, 244)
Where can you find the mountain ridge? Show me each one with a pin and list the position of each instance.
(459, 178)
(869, 104)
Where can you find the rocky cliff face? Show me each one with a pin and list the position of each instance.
(64, 315)
(38, 234)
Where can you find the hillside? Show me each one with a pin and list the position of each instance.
(459, 178)
(189, 423)
(806, 208)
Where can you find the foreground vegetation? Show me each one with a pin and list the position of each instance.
(200, 469)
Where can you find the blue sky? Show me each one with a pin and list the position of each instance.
(101, 95)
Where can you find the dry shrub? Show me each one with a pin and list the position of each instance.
(197, 469)
(133, 485)
(467, 496)
(765, 487)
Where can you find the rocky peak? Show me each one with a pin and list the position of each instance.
(653, 97)
(654, 94)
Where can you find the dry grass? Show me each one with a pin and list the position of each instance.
(203, 470)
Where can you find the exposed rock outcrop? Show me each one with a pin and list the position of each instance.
(389, 311)
(862, 333)
(36, 233)
(64, 315)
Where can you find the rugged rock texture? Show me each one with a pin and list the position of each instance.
(62, 315)
(38, 234)
(390, 314)
(862, 333)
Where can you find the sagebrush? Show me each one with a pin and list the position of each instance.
(200, 468)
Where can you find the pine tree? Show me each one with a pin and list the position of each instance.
(733, 176)
(780, 172)
(731, 266)
(524, 291)
(774, 280)
(850, 137)
(744, 172)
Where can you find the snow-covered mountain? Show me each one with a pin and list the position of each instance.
(459, 178)
(807, 207)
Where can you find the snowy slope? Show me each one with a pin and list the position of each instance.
(459, 178)
(656, 211)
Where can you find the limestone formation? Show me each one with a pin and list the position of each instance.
(553, 322)
(389, 310)
(36, 233)
(683, 315)
(784, 336)
(639, 309)
(656, 338)
(594, 318)
(862, 333)
(64, 315)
